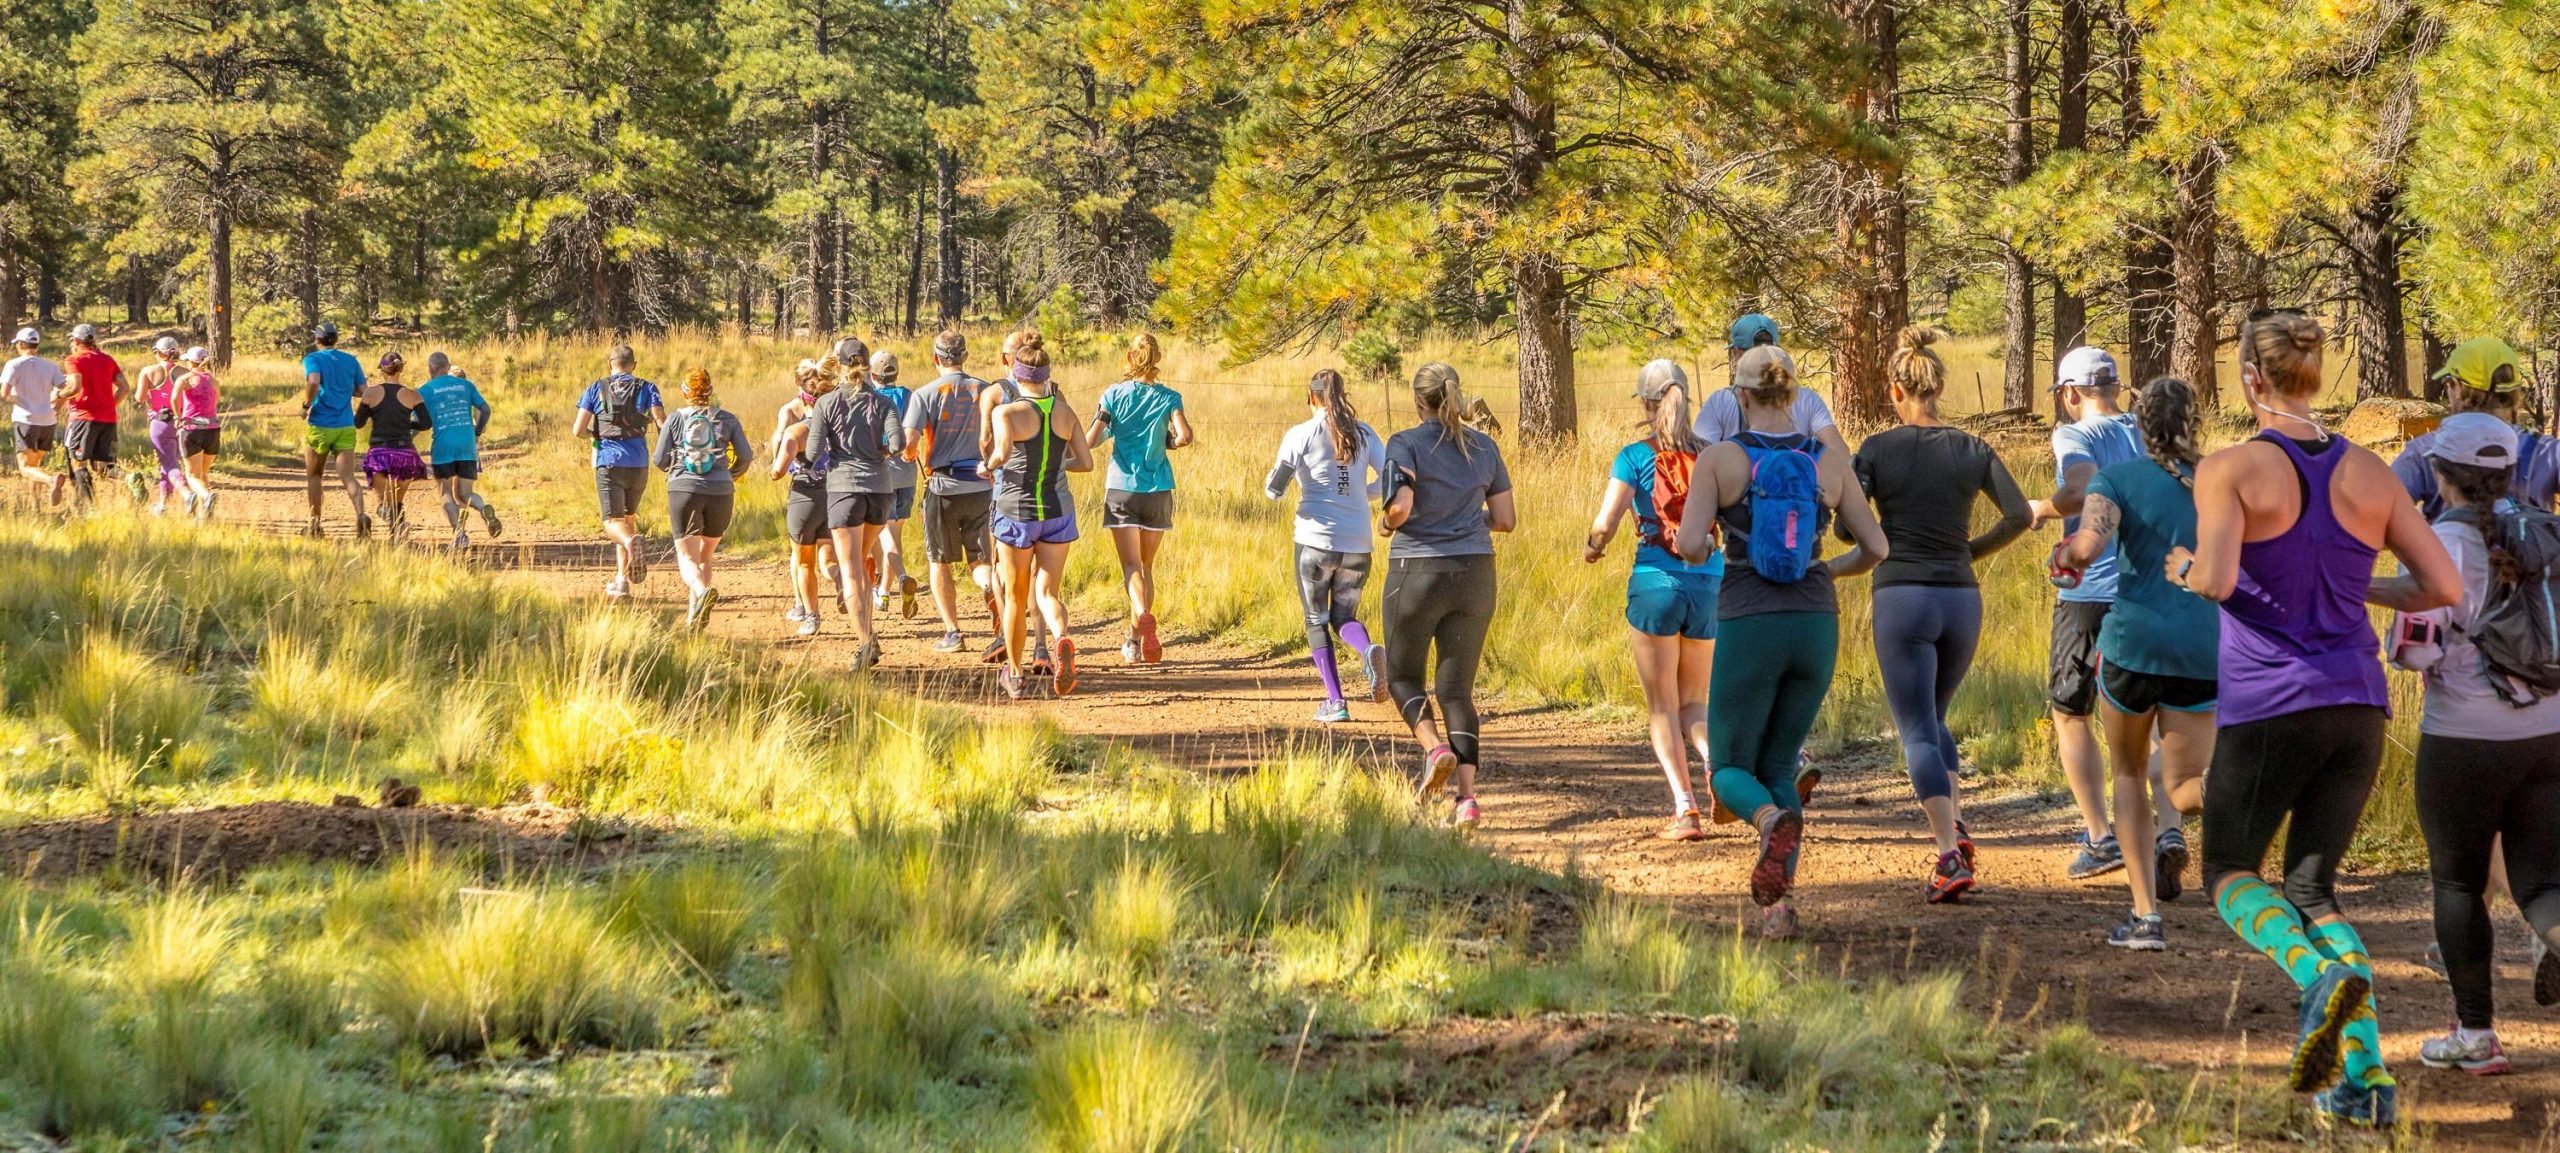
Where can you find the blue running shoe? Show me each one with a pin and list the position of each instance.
(2326, 1005)
(2140, 934)
(1373, 665)
(2169, 856)
(2370, 1107)
(2096, 858)
(1334, 712)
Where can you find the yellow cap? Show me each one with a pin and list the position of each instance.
(2475, 363)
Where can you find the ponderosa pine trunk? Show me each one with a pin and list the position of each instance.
(217, 282)
(1869, 231)
(1547, 411)
(2149, 280)
(2017, 273)
(2374, 235)
(306, 274)
(915, 259)
(2193, 241)
(951, 294)
(2070, 134)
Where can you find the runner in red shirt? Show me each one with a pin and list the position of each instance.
(94, 390)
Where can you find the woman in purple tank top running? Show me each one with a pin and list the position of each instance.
(2287, 527)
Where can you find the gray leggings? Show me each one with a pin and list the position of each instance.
(1447, 603)
(1329, 585)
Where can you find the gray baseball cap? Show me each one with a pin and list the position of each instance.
(30, 335)
(85, 333)
(1658, 377)
(327, 332)
(884, 365)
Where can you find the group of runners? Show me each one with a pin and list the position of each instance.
(2211, 650)
(983, 463)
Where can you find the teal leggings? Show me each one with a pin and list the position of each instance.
(1772, 671)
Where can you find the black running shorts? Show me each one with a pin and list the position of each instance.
(456, 470)
(618, 491)
(2071, 673)
(93, 441)
(35, 437)
(699, 513)
(804, 513)
(848, 509)
(2137, 694)
(955, 527)
(1152, 511)
(200, 442)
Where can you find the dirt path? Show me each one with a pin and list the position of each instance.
(1561, 790)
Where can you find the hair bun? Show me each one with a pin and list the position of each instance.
(1921, 336)
(1030, 340)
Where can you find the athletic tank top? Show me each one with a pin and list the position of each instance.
(2295, 635)
(1744, 592)
(1027, 487)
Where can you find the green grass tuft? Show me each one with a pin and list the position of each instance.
(532, 967)
(1118, 1087)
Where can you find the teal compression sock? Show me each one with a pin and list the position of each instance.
(2271, 925)
(2362, 1041)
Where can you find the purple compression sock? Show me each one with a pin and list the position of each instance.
(1332, 676)
(1355, 636)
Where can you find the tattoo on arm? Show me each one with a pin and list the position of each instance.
(2100, 516)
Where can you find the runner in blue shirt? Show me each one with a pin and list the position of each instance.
(460, 415)
(331, 381)
(1144, 422)
(891, 563)
(618, 412)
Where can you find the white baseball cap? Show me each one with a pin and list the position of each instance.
(166, 344)
(195, 355)
(2475, 438)
(2085, 367)
(29, 335)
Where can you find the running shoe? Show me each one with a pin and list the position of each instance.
(639, 559)
(1437, 767)
(489, 520)
(2326, 1005)
(1129, 650)
(2140, 934)
(1778, 922)
(2478, 1054)
(1688, 826)
(1465, 814)
(1964, 844)
(906, 598)
(1150, 649)
(616, 589)
(993, 654)
(867, 657)
(808, 627)
(1333, 712)
(1040, 666)
(2095, 858)
(795, 615)
(699, 614)
(141, 489)
(204, 512)
(364, 527)
(951, 643)
(187, 500)
(1009, 681)
(2370, 1107)
(311, 529)
(1950, 879)
(1780, 833)
(461, 540)
(159, 508)
(880, 600)
(2169, 858)
(1063, 681)
(2433, 959)
(1808, 778)
(2546, 973)
(1373, 665)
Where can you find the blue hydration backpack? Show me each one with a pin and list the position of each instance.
(1786, 508)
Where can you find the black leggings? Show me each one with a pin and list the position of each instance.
(2470, 792)
(1329, 585)
(2315, 767)
(1443, 602)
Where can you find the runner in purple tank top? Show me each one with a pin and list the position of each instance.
(2287, 527)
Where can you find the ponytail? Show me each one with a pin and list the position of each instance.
(1664, 386)
(1342, 422)
(1436, 389)
(2165, 410)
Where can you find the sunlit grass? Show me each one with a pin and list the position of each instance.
(538, 968)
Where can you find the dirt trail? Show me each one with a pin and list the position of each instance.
(1560, 790)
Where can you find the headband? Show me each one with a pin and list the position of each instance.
(1030, 373)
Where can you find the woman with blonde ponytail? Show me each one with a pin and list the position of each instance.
(1671, 603)
(1339, 464)
(1925, 478)
(1447, 493)
(701, 448)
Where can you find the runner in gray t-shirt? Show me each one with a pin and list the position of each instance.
(942, 422)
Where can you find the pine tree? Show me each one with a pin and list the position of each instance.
(39, 125)
(208, 111)
(2482, 177)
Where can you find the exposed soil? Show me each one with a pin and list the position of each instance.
(212, 844)
(1563, 791)
(1587, 1068)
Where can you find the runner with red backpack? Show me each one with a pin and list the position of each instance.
(1775, 491)
(1671, 603)
(1924, 478)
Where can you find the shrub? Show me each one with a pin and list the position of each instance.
(535, 967)
(1118, 1087)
